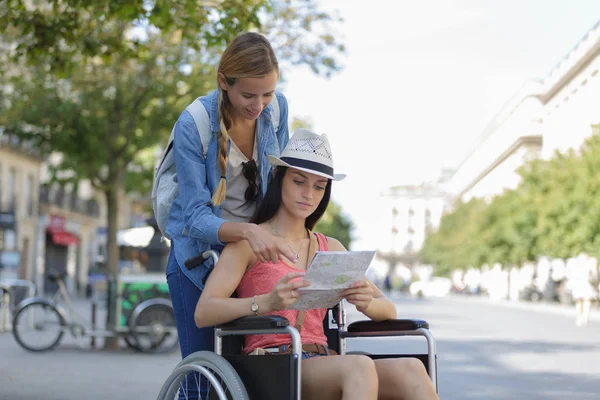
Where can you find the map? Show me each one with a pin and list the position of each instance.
(329, 273)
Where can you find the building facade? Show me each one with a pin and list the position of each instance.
(19, 208)
(554, 114)
(414, 212)
(46, 227)
(67, 229)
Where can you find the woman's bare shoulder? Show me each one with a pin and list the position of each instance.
(241, 250)
(334, 244)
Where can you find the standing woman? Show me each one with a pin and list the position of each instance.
(220, 187)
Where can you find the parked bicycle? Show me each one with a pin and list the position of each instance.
(39, 323)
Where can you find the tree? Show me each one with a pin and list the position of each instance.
(456, 244)
(554, 211)
(335, 224)
(299, 122)
(507, 229)
(102, 82)
(570, 213)
(60, 34)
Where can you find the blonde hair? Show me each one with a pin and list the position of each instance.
(249, 55)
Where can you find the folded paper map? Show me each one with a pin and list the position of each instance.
(329, 273)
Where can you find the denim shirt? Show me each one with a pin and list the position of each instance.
(194, 221)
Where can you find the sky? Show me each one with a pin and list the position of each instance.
(421, 80)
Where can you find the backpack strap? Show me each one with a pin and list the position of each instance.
(200, 116)
(275, 114)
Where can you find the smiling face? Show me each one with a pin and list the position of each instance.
(302, 192)
(249, 96)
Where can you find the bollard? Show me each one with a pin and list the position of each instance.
(4, 309)
(93, 322)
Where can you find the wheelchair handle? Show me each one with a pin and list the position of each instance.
(193, 262)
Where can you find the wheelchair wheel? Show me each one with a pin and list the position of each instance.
(38, 326)
(223, 380)
(131, 343)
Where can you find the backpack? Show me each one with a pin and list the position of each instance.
(165, 188)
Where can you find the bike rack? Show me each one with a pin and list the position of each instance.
(8, 303)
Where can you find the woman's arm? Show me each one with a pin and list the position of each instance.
(365, 295)
(370, 301)
(200, 222)
(216, 306)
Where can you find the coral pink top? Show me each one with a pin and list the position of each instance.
(261, 279)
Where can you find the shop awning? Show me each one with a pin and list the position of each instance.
(62, 238)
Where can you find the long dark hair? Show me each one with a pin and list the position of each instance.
(270, 204)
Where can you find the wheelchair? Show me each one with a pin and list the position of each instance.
(235, 376)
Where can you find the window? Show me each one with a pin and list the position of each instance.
(428, 224)
(28, 197)
(10, 188)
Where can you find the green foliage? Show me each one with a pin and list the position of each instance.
(336, 225)
(298, 123)
(570, 212)
(555, 212)
(102, 82)
(455, 244)
(61, 34)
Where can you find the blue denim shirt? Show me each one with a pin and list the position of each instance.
(194, 221)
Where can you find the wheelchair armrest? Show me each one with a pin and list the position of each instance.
(388, 325)
(258, 322)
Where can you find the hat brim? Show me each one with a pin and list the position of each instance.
(277, 162)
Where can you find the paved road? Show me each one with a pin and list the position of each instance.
(486, 351)
(497, 350)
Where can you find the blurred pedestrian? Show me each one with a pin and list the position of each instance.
(581, 288)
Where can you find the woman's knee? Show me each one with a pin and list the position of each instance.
(412, 365)
(397, 370)
(360, 367)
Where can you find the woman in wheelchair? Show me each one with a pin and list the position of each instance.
(296, 198)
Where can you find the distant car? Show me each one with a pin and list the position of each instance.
(436, 287)
(531, 293)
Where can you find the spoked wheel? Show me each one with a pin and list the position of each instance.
(131, 342)
(153, 330)
(212, 370)
(38, 327)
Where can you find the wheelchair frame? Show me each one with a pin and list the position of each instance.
(253, 325)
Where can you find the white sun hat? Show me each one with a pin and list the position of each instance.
(309, 152)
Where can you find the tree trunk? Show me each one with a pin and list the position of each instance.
(112, 262)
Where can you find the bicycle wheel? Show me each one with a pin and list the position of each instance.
(224, 382)
(131, 342)
(38, 327)
(154, 329)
